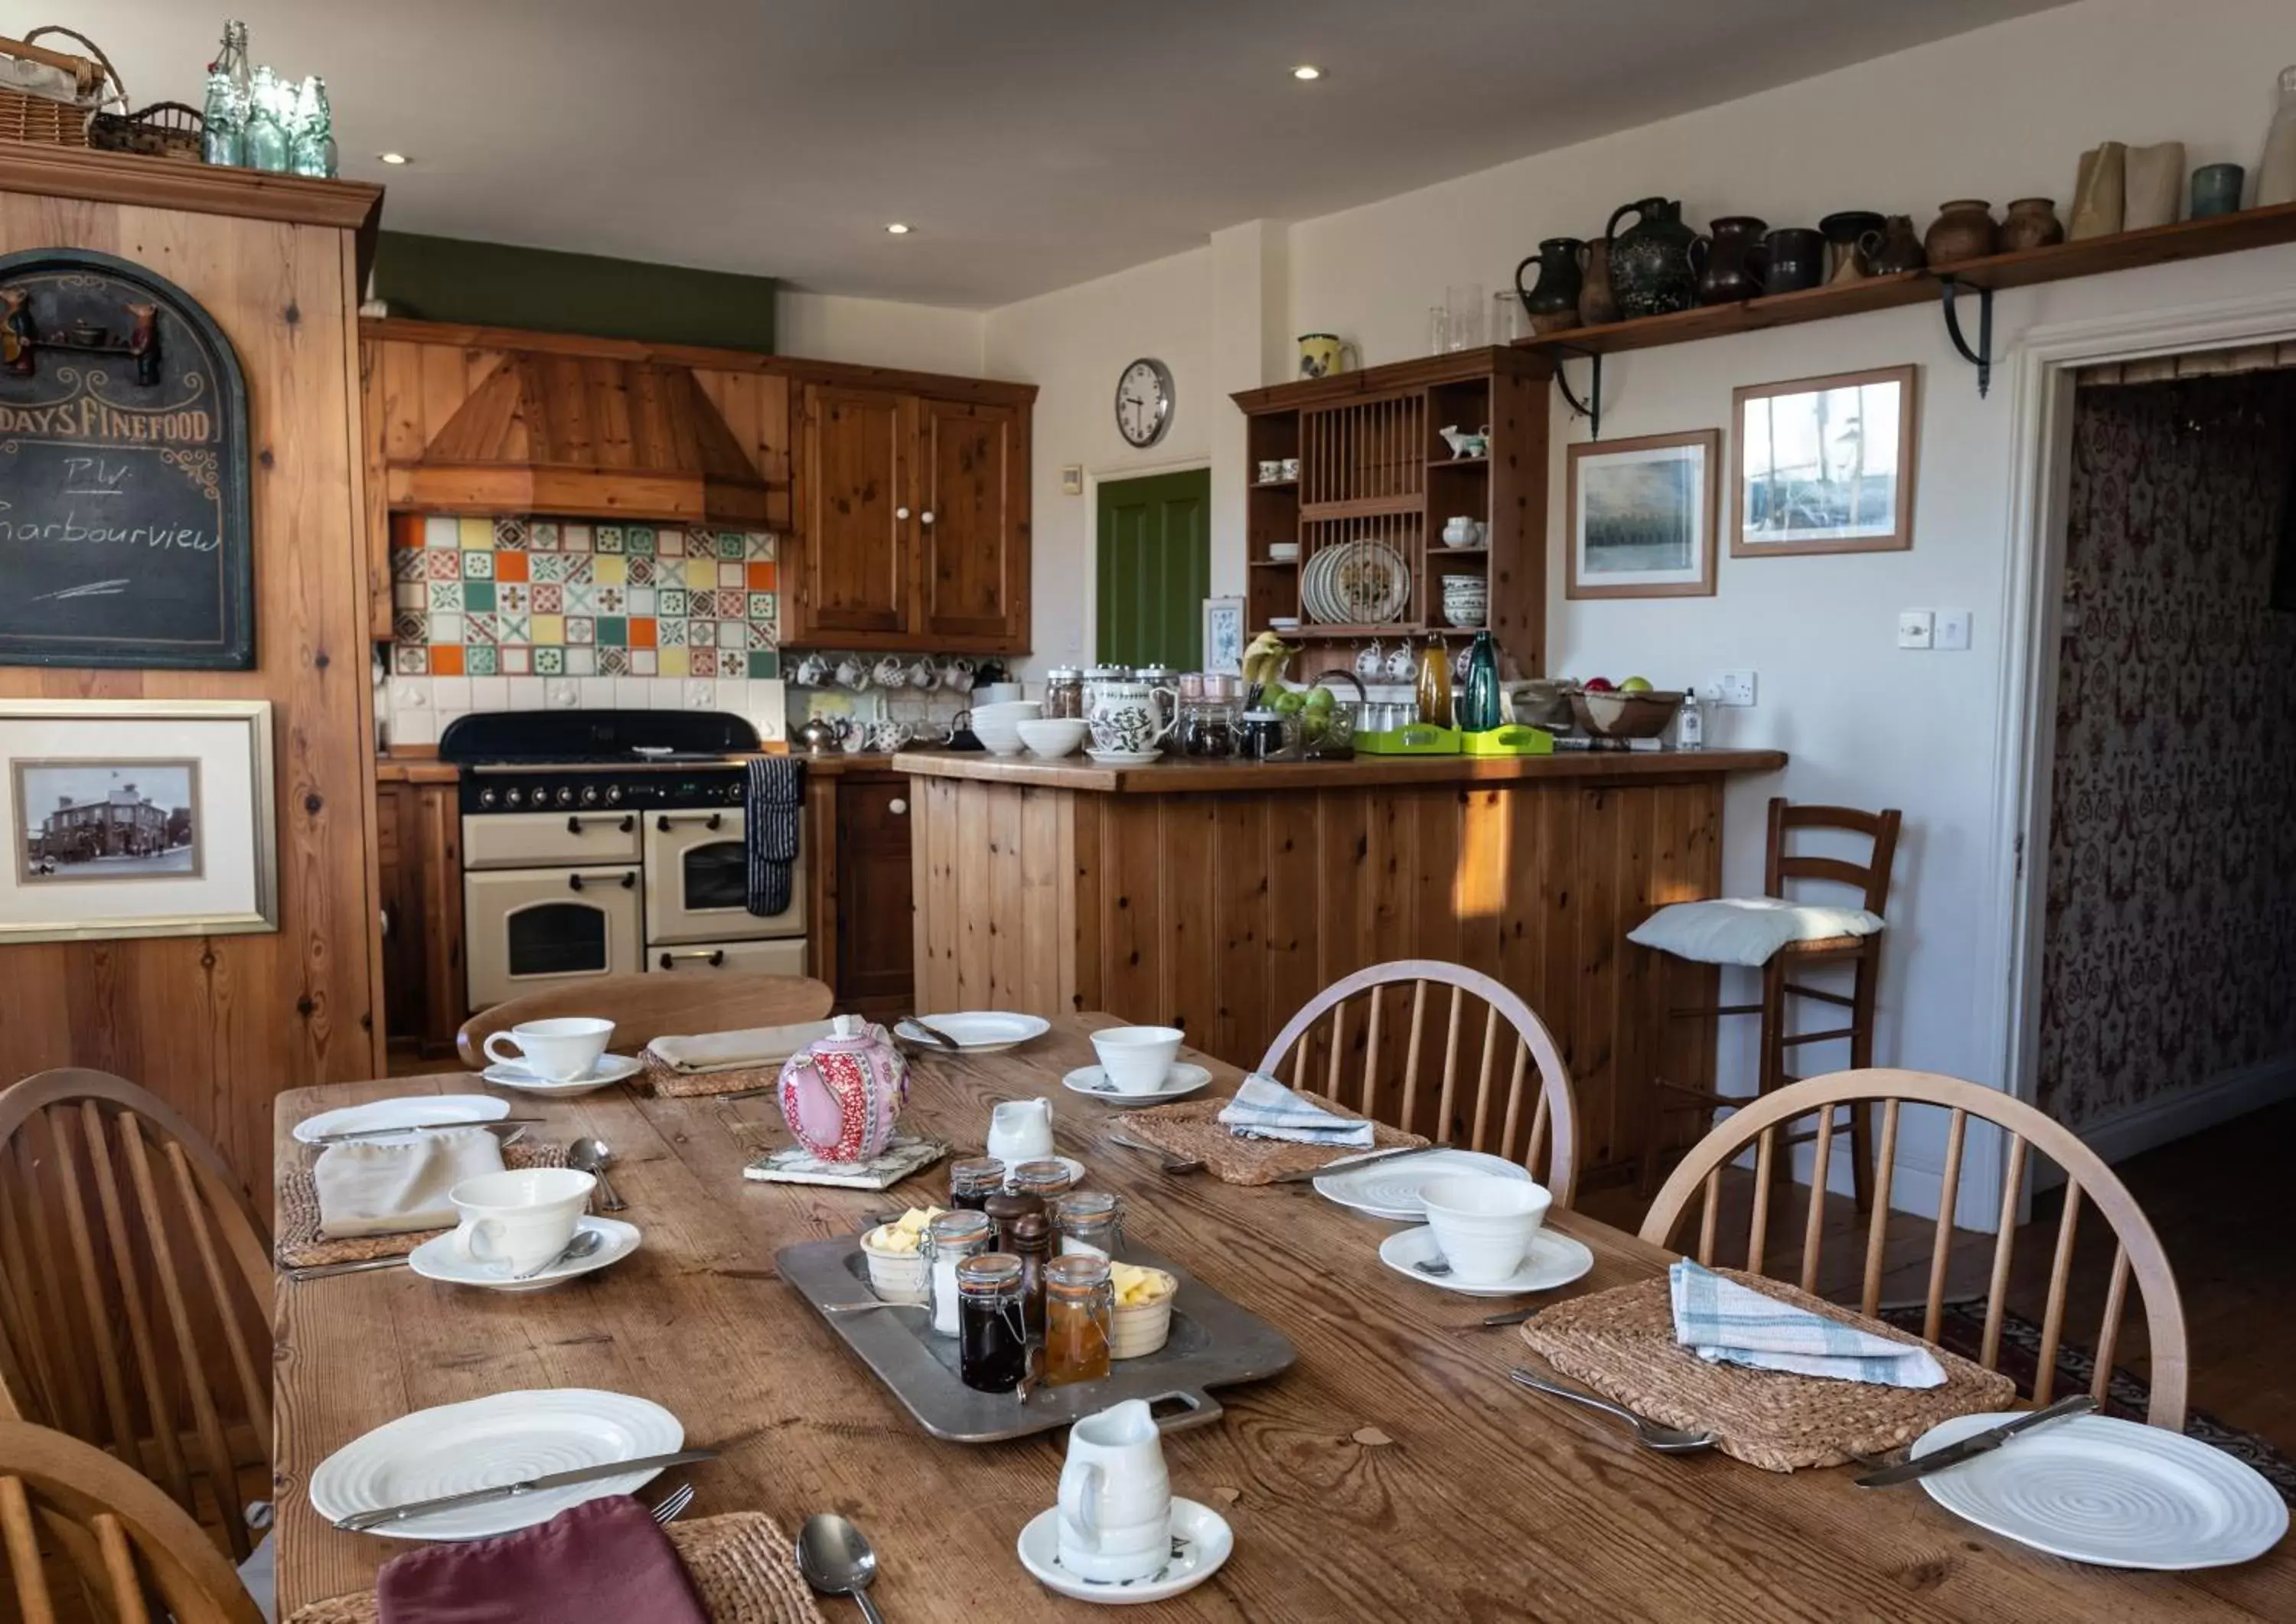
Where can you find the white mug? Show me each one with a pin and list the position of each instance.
(813, 671)
(557, 1051)
(1116, 1497)
(1271, 470)
(1137, 1058)
(924, 674)
(959, 676)
(1021, 1130)
(521, 1218)
(853, 673)
(890, 673)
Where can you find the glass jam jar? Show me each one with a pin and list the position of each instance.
(1064, 692)
(1047, 1180)
(972, 1182)
(949, 1240)
(1080, 1313)
(1090, 1221)
(992, 1344)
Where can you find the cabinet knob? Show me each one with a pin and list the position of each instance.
(900, 513)
(926, 515)
(897, 806)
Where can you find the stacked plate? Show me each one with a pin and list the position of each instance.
(1357, 583)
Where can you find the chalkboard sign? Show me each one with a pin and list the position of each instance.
(124, 538)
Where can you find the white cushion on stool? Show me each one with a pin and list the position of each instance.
(1745, 930)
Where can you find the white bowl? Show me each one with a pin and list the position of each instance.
(897, 1277)
(1142, 1328)
(1052, 736)
(1484, 1225)
(1137, 1058)
(1009, 711)
(998, 738)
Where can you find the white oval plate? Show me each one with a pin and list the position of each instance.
(2111, 1492)
(979, 1031)
(1391, 1190)
(1183, 1080)
(504, 1437)
(1124, 758)
(400, 1111)
(1554, 1259)
(611, 1069)
(1203, 1535)
(440, 1258)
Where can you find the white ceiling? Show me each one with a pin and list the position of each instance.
(1032, 144)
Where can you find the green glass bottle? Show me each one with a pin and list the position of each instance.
(1477, 707)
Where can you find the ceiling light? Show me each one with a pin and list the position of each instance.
(898, 229)
(1306, 71)
(392, 158)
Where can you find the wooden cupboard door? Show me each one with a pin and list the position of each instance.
(856, 527)
(972, 526)
(876, 893)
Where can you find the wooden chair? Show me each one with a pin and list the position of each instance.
(1386, 1047)
(2136, 1250)
(134, 1291)
(1782, 868)
(644, 1007)
(136, 1555)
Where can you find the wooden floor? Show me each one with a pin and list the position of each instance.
(2220, 1203)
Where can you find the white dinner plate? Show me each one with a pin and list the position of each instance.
(398, 1113)
(2111, 1492)
(440, 1258)
(1554, 1259)
(1200, 1535)
(1183, 1080)
(979, 1031)
(1391, 1189)
(611, 1069)
(504, 1437)
(1125, 757)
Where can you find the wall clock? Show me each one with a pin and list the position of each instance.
(1144, 402)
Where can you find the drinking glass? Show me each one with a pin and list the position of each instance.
(1463, 304)
(1507, 317)
(1439, 329)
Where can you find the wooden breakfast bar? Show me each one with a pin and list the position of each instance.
(1219, 897)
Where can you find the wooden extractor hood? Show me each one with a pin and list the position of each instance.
(586, 437)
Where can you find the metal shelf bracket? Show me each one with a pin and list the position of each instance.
(1590, 408)
(1982, 358)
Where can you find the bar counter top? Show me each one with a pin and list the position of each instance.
(1175, 775)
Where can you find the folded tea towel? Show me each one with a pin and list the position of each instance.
(604, 1561)
(1724, 1323)
(754, 1045)
(397, 1189)
(1265, 1108)
(1746, 931)
(773, 805)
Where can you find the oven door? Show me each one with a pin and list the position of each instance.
(698, 881)
(536, 928)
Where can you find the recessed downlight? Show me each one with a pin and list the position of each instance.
(1306, 71)
(394, 158)
(898, 229)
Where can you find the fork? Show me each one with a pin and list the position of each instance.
(1171, 1163)
(669, 1508)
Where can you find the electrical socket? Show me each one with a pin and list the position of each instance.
(1734, 688)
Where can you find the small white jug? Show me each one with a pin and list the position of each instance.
(1021, 1130)
(1116, 1497)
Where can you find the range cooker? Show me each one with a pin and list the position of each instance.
(607, 842)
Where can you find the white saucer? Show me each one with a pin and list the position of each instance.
(1183, 1080)
(610, 1070)
(1202, 1534)
(1554, 1259)
(403, 1109)
(1126, 758)
(440, 1258)
(1391, 1189)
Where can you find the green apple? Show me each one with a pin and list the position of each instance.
(1635, 684)
(1321, 699)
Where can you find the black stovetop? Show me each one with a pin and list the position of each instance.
(599, 738)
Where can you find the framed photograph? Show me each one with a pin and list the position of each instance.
(136, 818)
(1642, 517)
(1823, 466)
(1224, 635)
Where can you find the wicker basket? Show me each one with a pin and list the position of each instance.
(44, 121)
(164, 129)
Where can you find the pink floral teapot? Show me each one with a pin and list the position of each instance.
(841, 1094)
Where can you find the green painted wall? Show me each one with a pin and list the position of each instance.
(451, 279)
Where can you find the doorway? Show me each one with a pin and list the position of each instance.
(1153, 568)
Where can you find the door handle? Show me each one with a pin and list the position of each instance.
(897, 806)
(926, 517)
(626, 879)
(716, 956)
(710, 820)
(900, 513)
(628, 823)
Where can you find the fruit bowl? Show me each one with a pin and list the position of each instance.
(1614, 714)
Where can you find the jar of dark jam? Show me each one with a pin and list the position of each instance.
(972, 1182)
(992, 1346)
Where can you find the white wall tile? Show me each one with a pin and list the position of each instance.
(527, 693)
(701, 694)
(632, 693)
(597, 692)
(442, 530)
(490, 693)
(768, 707)
(665, 693)
(563, 693)
(417, 726)
(450, 694)
(448, 719)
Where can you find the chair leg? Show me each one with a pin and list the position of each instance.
(1861, 1057)
(1770, 1074)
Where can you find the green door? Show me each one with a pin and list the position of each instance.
(1155, 569)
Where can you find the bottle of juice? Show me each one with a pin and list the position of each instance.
(1435, 683)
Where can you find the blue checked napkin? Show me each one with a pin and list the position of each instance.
(1724, 1323)
(1265, 1108)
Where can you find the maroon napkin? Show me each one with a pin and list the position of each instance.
(604, 1561)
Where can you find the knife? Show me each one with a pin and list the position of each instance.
(1349, 1164)
(1975, 1444)
(359, 1521)
(355, 1134)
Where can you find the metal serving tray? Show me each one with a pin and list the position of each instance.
(1214, 1343)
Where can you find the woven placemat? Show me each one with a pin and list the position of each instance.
(302, 1246)
(1620, 1342)
(667, 1080)
(741, 1565)
(1191, 1128)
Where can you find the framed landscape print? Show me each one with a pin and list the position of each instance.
(1823, 466)
(136, 818)
(1642, 517)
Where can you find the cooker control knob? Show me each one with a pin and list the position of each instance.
(589, 794)
(487, 797)
(565, 795)
(512, 797)
(613, 794)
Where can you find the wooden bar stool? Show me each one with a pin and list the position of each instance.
(1782, 934)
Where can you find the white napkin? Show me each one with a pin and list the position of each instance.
(1265, 1108)
(1724, 1323)
(396, 1189)
(754, 1045)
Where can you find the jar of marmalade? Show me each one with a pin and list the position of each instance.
(1080, 1310)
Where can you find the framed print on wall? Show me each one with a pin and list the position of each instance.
(136, 818)
(1823, 466)
(1224, 635)
(1641, 515)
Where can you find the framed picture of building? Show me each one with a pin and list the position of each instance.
(1823, 466)
(136, 818)
(1642, 517)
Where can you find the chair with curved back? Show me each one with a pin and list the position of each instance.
(136, 1287)
(1394, 1054)
(130, 1548)
(644, 1007)
(2136, 1250)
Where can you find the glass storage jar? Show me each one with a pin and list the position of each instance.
(1064, 692)
(992, 1344)
(949, 1240)
(1090, 1221)
(1046, 1179)
(1079, 1314)
(972, 1182)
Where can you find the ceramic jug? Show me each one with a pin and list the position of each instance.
(1597, 304)
(1130, 718)
(1654, 266)
(1736, 263)
(1020, 1130)
(2030, 222)
(1115, 1520)
(1552, 304)
(841, 1094)
(1963, 230)
(1793, 257)
(1894, 248)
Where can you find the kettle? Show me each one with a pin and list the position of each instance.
(840, 1095)
(824, 735)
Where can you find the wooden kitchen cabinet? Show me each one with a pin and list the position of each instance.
(864, 892)
(973, 525)
(856, 564)
(419, 845)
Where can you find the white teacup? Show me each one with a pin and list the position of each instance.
(1137, 1058)
(1484, 1225)
(521, 1218)
(558, 1050)
(1116, 1497)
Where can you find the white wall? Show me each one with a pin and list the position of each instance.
(877, 332)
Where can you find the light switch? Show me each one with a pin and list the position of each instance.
(1915, 629)
(1952, 628)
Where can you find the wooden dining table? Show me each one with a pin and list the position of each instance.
(1394, 1472)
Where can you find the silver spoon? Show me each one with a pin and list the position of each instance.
(836, 1559)
(589, 1155)
(1666, 1440)
(585, 1243)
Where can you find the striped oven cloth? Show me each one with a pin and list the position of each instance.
(773, 807)
(1724, 1323)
